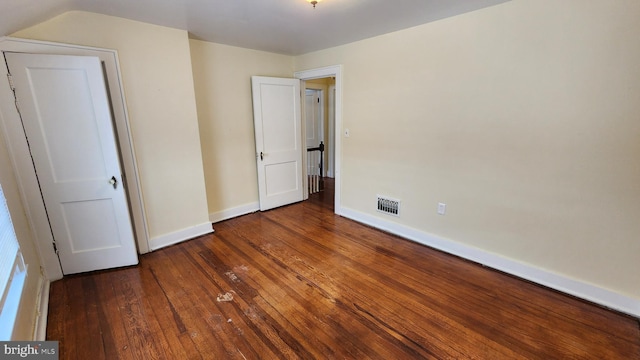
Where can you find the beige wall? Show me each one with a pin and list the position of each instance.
(26, 314)
(156, 71)
(222, 77)
(522, 118)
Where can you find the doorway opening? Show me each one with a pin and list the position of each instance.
(331, 78)
(319, 115)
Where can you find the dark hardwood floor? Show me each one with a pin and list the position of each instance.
(299, 282)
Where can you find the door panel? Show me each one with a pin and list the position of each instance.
(67, 120)
(81, 237)
(277, 120)
(66, 163)
(281, 178)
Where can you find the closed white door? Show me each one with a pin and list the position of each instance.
(67, 120)
(277, 121)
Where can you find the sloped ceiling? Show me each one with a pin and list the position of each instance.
(291, 27)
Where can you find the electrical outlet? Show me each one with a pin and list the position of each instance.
(442, 208)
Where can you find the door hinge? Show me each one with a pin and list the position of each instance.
(55, 248)
(13, 90)
(11, 85)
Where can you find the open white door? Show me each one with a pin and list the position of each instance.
(313, 117)
(67, 120)
(277, 118)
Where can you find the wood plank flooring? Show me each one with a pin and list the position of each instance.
(299, 282)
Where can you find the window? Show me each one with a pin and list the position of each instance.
(12, 272)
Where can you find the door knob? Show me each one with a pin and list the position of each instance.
(113, 182)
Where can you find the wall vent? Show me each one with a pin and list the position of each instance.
(388, 206)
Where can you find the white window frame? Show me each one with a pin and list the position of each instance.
(11, 294)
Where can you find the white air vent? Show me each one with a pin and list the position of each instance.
(388, 206)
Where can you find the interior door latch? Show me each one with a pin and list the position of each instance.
(113, 182)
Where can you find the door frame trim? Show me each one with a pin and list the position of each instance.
(19, 152)
(331, 71)
(331, 118)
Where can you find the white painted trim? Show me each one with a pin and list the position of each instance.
(27, 183)
(332, 130)
(42, 308)
(303, 139)
(234, 212)
(180, 236)
(563, 283)
(336, 71)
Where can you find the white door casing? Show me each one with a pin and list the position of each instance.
(331, 135)
(278, 134)
(73, 145)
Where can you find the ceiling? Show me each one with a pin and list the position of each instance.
(291, 27)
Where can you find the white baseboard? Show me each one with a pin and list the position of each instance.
(234, 212)
(180, 236)
(540, 276)
(42, 308)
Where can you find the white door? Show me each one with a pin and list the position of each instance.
(277, 120)
(67, 120)
(312, 117)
